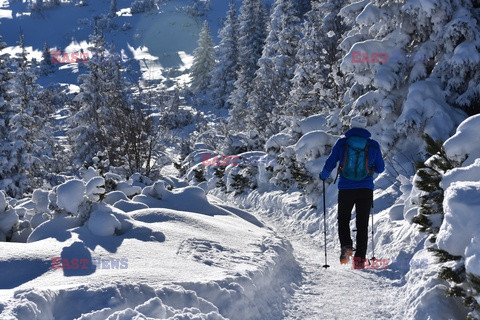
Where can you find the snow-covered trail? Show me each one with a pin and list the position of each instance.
(338, 292)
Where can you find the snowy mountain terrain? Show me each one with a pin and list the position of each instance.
(172, 171)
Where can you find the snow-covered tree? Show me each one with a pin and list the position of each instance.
(428, 65)
(5, 96)
(203, 61)
(313, 87)
(271, 85)
(87, 134)
(224, 75)
(100, 105)
(5, 110)
(252, 33)
(46, 65)
(26, 131)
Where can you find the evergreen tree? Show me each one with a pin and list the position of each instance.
(203, 61)
(276, 67)
(113, 8)
(313, 85)
(224, 75)
(107, 120)
(429, 176)
(5, 96)
(5, 111)
(100, 105)
(430, 218)
(87, 134)
(46, 65)
(252, 33)
(425, 47)
(25, 130)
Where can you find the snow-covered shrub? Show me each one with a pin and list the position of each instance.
(102, 221)
(242, 175)
(8, 219)
(177, 117)
(158, 190)
(427, 179)
(195, 158)
(449, 209)
(70, 196)
(299, 165)
(114, 196)
(40, 199)
(139, 6)
(275, 143)
(128, 188)
(242, 142)
(95, 189)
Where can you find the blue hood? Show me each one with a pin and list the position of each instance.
(358, 132)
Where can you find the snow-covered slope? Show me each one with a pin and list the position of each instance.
(155, 45)
(159, 262)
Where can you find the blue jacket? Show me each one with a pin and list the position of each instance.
(375, 160)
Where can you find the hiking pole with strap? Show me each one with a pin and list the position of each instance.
(373, 238)
(325, 225)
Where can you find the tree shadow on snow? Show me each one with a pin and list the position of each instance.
(17, 272)
(78, 260)
(112, 243)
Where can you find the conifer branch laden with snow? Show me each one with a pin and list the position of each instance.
(429, 177)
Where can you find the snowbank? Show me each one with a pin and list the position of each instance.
(462, 218)
(232, 266)
(465, 145)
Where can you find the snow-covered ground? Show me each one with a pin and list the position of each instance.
(336, 292)
(248, 243)
(181, 258)
(156, 45)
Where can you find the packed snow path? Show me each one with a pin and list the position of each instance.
(338, 292)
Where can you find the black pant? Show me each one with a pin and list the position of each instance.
(362, 199)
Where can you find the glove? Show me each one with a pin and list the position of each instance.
(322, 177)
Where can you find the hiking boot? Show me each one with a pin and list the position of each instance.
(345, 254)
(358, 263)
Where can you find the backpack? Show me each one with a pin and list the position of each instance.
(355, 159)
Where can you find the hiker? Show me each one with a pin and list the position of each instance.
(359, 157)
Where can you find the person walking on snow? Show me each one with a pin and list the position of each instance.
(359, 157)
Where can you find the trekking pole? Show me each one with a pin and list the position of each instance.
(373, 239)
(325, 225)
